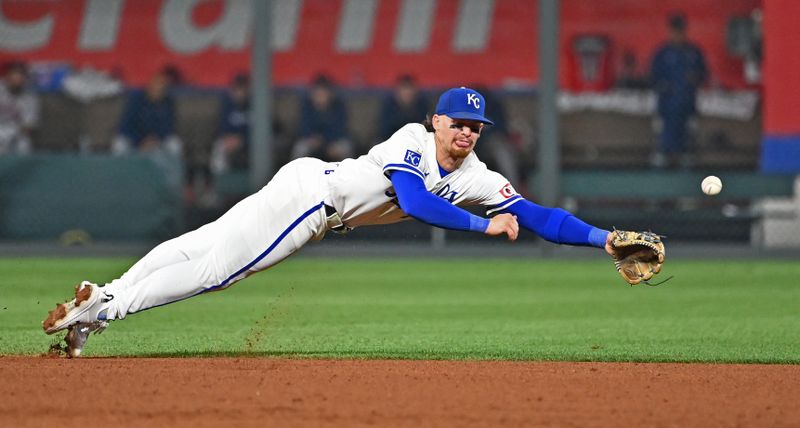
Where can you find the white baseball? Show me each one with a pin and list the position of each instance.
(711, 185)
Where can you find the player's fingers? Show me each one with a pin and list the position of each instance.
(514, 227)
(512, 231)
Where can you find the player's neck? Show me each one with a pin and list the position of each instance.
(446, 158)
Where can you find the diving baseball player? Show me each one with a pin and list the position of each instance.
(423, 171)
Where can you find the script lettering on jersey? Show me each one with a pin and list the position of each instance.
(413, 158)
(446, 193)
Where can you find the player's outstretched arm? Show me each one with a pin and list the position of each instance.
(557, 225)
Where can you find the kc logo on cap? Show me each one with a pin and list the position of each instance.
(463, 103)
(472, 99)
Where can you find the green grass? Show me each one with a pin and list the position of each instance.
(573, 310)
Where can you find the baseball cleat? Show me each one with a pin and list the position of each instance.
(88, 303)
(79, 333)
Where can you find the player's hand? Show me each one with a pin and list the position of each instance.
(504, 223)
(609, 244)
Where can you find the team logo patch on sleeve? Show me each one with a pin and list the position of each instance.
(507, 191)
(413, 158)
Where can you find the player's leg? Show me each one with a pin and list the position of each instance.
(257, 233)
(174, 251)
(165, 254)
(91, 302)
(230, 259)
(190, 245)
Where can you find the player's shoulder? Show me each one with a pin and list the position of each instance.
(410, 137)
(413, 134)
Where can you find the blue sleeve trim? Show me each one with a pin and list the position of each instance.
(403, 167)
(597, 237)
(478, 224)
(494, 208)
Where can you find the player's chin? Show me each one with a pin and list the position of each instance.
(461, 153)
(463, 149)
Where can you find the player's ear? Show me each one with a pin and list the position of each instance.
(436, 120)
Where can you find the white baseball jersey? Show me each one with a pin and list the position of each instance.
(362, 193)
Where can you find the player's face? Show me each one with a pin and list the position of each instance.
(458, 136)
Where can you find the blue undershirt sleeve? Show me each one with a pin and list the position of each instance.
(557, 225)
(416, 201)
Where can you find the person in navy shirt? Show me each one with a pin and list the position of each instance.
(678, 70)
(148, 121)
(323, 124)
(405, 104)
(231, 147)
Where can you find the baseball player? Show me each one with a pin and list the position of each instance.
(423, 171)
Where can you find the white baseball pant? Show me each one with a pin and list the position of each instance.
(258, 232)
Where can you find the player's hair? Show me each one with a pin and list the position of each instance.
(428, 123)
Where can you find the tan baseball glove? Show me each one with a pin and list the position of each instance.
(637, 255)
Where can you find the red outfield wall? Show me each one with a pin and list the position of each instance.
(359, 42)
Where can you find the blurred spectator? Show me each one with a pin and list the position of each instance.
(678, 69)
(495, 147)
(629, 76)
(19, 110)
(406, 104)
(323, 124)
(173, 75)
(148, 121)
(230, 150)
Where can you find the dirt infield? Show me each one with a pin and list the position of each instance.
(200, 392)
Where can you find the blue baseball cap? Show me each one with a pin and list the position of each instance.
(463, 103)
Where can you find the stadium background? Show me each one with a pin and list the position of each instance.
(327, 340)
(71, 191)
